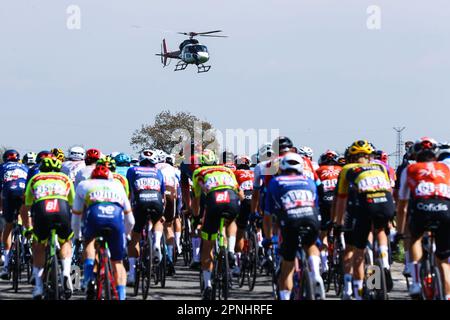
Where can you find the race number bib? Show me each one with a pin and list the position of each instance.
(51, 206)
(329, 185)
(219, 180)
(148, 184)
(222, 197)
(247, 185)
(298, 198)
(373, 184)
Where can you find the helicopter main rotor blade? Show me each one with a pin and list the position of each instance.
(205, 35)
(207, 32)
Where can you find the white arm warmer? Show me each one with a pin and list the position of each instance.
(129, 222)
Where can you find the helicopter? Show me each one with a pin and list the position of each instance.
(191, 51)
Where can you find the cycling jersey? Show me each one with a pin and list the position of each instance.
(188, 168)
(424, 180)
(34, 170)
(390, 170)
(106, 203)
(245, 180)
(118, 177)
(143, 180)
(122, 170)
(49, 185)
(169, 173)
(84, 174)
(328, 175)
(211, 178)
(71, 168)
(365, 178)
(13, 177)
(294, 200)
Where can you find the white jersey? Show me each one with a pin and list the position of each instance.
(315, 165)
(84, 174)
(71, 168)
(90, 191)
(169, 173)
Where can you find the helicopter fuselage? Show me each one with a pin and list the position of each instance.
(194, 54)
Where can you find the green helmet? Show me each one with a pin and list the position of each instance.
(208, 158)
(50, 164)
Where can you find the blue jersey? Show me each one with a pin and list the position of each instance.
(292, 195)
(122, 171)
(145, 179)
(34, 170)
(13, 178)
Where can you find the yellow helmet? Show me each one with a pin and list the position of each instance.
(360, 146)
(58, 153)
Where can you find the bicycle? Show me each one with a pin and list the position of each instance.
(221, 274)
(16, 255)
(430, 275)
(372, 268)
(249, 258)
(144, 263)
(186, 243)
(336, 263)
(303, 283)
(76, 272)
(105, 282)
(160, 269)
(52, 270)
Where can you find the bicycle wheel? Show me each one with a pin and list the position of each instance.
(186, 243)
(252, 261)
(438, 289)
(54, 278)
(226, 277)
(106, 278)
(163, 263)
(137, 276)
(147, 266)
(16, 261)
(338, 274)
(382, 292)
(243, 272)
(306, 283)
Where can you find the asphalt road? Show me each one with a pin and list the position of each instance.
(184, 285)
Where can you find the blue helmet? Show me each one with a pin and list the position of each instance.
(122, 159)
(11, 155)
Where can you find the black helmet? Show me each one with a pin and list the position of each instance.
(11, 155)
(43, 154)
(282, 144)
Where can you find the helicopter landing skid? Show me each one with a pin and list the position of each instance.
(202, 68)
(181, 65)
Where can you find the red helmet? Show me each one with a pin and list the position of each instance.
(93, 154)
(100, 172)
(425, 144)
(242, 160)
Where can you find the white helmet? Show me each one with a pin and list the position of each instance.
(170, 158)
(150, 155)
(264, 151)
(306, 151)
(292, 161)
(76, 154)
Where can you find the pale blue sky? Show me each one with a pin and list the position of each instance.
(310, 68)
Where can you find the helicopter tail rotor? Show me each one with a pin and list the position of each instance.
(164, 53)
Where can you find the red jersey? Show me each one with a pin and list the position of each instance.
(329, 176)
(428, 180)
(244, 179)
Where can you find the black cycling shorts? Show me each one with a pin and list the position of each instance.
(220, 203)
(148, 204)
(11, 206)
(51, 214)
(325, 213)
(424, 212)
(372, 211)
(245, 210)
(290, 231)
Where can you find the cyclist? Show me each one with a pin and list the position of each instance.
(49, 195)
(427, 184)
(147, 198)
(92, 156)
(222, 192)
(74, 163)
(293, 199)
(328, 173)
(171, 185)
(111, 164)
(29, 159)
(106, 206)
(123, 163)
(244, 177)
(308, 153)
(188, 165)
(13, 175)
(59, 154)
(374, 207)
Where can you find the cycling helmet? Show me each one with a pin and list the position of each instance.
(134, 162)
(208, 158)
(265, 151)
(161, 155)
(11, 155)
(122, 160)
(50, 164)
(282, 144)
(148, 155)
(29, 159)
(100, 172)
(444, 151)
(426, 145)
(242, 161)
(306, 151)
(341, 160)
(170, 159)
(360, 147)
(76, 154)
(93, 154)
(59, 154)
(108, 162)
(292, 161)
(43, 154)
(382, 156)
(328, 157)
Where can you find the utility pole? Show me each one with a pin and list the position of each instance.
(398, 152)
